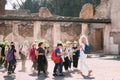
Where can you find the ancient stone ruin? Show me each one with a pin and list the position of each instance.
(102, 37)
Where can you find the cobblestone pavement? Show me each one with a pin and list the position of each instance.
(104, 68)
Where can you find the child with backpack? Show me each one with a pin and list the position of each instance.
(57, 58)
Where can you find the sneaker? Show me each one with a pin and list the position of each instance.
(13, 72)
(46, 75)
(61, 74)
(55, 74)
(9, 73)
(38, 74)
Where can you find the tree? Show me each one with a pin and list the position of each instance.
(58, 7)
(71, 7)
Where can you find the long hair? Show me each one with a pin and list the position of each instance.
(83, 39)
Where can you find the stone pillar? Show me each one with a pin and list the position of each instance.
(15, 36)
(115, 18)
(115, 14)
(107, 39)
(37, 30)
(86, 12)
(56, 33)
(43, 12)
(84, 29)
(1, 37)
(15, 32)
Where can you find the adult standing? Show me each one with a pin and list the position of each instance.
(41, 58)
(24, 50)
(83, 57)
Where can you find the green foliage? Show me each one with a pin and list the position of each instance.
(71, 7)
(59, 7)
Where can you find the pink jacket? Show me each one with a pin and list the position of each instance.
(32, 55)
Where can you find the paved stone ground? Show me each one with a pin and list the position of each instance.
(104, 68)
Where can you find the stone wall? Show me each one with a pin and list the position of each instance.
(46, 33)
(115, 30)
(97, 30)
(102, 36)
(17, 12)
(96, 39)
(116, 37)
(70, 31)
(26, 29)
(5, 29)
(109, 9)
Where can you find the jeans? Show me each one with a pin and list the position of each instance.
(75, 61)
(66, 63)
(59, 67)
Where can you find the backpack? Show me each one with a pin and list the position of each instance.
(10, 55)
(87, 49)
(54, 56)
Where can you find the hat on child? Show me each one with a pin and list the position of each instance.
(75, 42)
(68, 42)
(47, 45)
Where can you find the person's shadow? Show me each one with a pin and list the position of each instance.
(88, 77)
(42, 77)
(9, 77)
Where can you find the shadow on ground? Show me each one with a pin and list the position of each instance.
(88, 77)
(114, 58)
(11, 77)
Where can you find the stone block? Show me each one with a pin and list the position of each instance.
(114, 49)
(44, 12)
(87, 11)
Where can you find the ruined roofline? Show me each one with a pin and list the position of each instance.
(53, 19)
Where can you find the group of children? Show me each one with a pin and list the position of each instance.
(69, 54)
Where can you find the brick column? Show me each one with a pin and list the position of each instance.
(15, 32)
(37, 30)
(86, 13)
(56, 33)
(107, 39)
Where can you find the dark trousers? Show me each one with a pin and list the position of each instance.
(66, 63)
(1, 61)
(58, 66)
(6, 64)
(41, 67)
(46, 65)
(41, 64)
(12, 65)
(75, 61)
